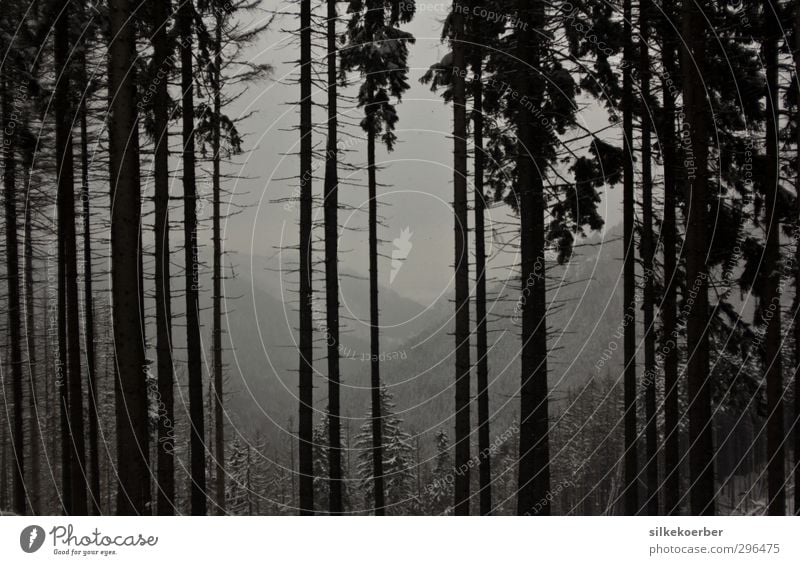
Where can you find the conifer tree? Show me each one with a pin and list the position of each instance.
(378, 50)
(186, 18)
(69, 345)
(331, 213)
(397, 461)
(133, 495)
(306, 338)
(461, 505)
(693, 68)
(439, 491)
(629, 271)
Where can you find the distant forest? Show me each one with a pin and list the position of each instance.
(124, 391)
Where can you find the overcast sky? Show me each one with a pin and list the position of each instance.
(417, 175)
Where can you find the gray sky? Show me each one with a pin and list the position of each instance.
(418, 174)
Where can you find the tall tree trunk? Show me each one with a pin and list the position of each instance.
(797, 284)
(88, 306)
(534, 444)
(165, 452)
(9, 100)
(629, 276)
(62, 391)
(648, 253)
(62, 377)
(133, 495)
(776, 473)
(461, 265)
(306, 372)
(3, 466)
(701, 454)
(68, 257)
(34, 418)
(374, 320)
(485, 463)
(332, 274)
(219, 424)
(669, 311)
(52, 397)
(194, 353)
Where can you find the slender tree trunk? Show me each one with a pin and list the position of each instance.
(701, 454)
(797, 286)
(52, 397)
(485, 463)
(9, 100)
(62, 391)
(219, 423)
(306, 373)
(331, 207)
(776, 431)
(629, 276)
(165, 450)
(133, 495)
(648, 253)
(3, 469)
(35, 418)
(62, 376)
(67, 238)
(195, 368)
(534, 445)
(88, 306)
(374, 320)
(669, 311)
(461, 265)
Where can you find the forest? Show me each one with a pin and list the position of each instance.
(394, 257)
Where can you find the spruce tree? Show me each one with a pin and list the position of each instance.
(378, 50)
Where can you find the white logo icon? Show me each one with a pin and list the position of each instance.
(402, 247)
